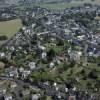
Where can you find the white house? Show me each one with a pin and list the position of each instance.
(74, 89)
(41, 47)
(90, 53)
(13, 85)
(24, 28)
(75, 55)
(33, 14)
(8, 97)
(44, 54)
(33, 25)
(2, 54)
(55, 84)
(13, 72)
(12, 48)
(26, 73)
(32, 65)
(2, 90)
(25, 92)
(81, 37)
(35, 96)
(66, 89)
(21, 69)
(51, 65)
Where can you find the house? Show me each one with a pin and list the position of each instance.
(75, 55)
(44, 54)
(58, 61)
(21, 69)
(67, 31)
(2, 65)
(33, 25)
(41, 47)
(51, 65)
(8, 97)
(33, 14)
(90, 53)
(25, 92)
(72, 98)
(24, 28)
(32, 65)
(13, 85)
(12, 48)
(81, 37)
(26, 73)
(25, 52)
(46, 83)
(35, 97)
(61, 57)
(66, 90)
(2, 90)
(60, 96)
(49, 22)
(74, 88)
(55, 84)
(97, 54)
(8, 56)
(2, 55)
(12, 72)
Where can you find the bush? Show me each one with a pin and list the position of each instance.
(3, 37)
(60, 43)
(92, 74)
(51, 54)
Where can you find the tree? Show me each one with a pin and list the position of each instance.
(92, 74)
(43, 98)
(65, 66)
(51, 54)
(3, 37)
(72, 64)
(60, 43)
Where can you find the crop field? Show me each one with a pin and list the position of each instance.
(9, 28)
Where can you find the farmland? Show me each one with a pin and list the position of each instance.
(9, 28)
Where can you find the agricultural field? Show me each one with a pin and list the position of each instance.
(9, 28)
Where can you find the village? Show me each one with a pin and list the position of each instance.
(54, 56)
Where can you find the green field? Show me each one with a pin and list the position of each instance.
(9, 28)
(61, 6)
(58, 6)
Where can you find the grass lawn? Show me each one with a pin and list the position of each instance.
(56, 48)
(9, 28)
